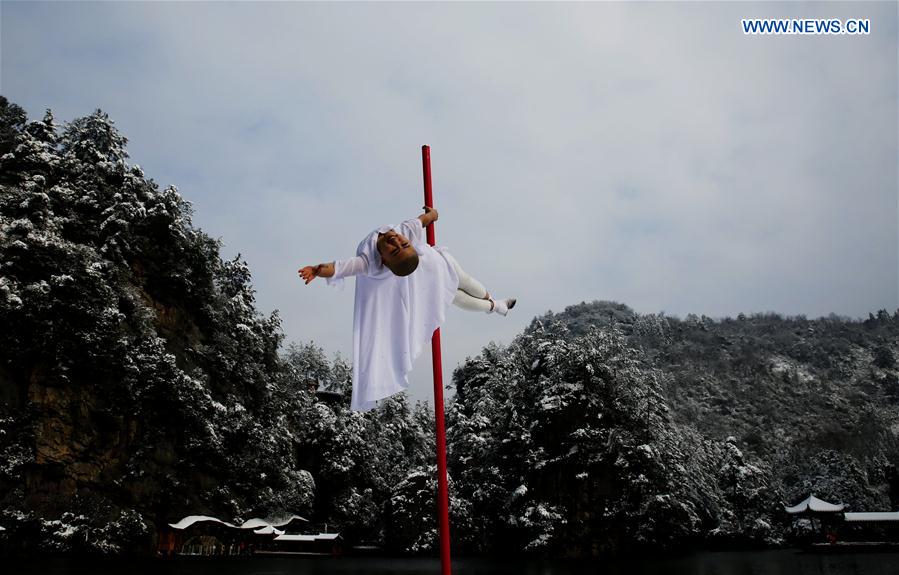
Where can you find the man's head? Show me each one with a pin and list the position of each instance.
(397, 253)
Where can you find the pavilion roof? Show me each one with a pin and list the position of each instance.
(277, 524)
(268, 530)
(815, 505)
(294, 537)
(191, 519)
(319, 537)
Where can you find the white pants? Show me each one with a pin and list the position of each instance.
(470, 295)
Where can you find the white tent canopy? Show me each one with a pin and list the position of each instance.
(812, 503)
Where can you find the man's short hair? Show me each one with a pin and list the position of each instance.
(405, 266)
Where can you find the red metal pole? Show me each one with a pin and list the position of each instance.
(442, 485)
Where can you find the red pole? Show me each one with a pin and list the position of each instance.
(442, 485)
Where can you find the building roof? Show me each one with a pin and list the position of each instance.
(813, 504)
(294, 537)
(872, 516)
(191, 519)
(319, 537)
(279, 522)
(254, 523)
(327, 536)
(268, 530)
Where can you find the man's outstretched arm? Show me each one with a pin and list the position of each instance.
(309, 273)
(429, 217)
(336, 269)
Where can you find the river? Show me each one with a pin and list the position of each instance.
(781, 562)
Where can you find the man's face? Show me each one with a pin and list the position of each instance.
(394, 247)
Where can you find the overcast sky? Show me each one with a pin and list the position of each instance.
(648, 153)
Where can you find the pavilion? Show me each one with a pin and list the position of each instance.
(812, 505)
(827, 514)
(206, 535)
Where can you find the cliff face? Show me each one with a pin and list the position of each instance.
(76, 442)
(132, 355)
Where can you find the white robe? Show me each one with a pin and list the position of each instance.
(394, 317)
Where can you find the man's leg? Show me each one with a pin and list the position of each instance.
(467, 283)
(472, 295)
(471, 303)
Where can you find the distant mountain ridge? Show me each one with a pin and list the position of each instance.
(685, 432)
(758, 377)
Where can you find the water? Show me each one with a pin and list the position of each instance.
(706, 563)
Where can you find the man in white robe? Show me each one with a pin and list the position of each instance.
(403, 288)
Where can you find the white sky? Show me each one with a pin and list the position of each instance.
(649, 153)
